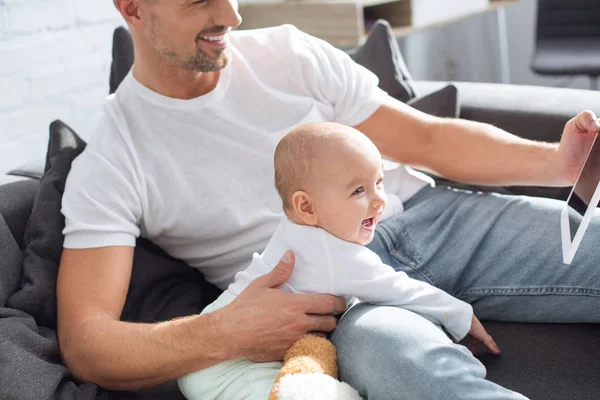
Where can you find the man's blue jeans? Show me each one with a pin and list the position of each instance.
(502, 254)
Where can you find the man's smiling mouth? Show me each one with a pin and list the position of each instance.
(213, 38)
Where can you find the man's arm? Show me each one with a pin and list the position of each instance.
(468, 151)
(97, 347)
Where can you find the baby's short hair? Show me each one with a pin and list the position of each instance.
(297, 156)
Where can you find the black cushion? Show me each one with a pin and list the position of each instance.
(43, 236)
(381, 55)
(442, 103)
(122, 57)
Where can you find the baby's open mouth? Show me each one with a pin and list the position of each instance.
(367, 223)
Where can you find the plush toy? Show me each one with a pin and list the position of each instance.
(309, 372)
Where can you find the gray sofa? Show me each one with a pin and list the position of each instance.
(542, 361)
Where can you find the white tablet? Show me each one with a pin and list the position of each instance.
(582, 203)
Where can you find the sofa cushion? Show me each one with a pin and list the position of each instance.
(16, 199)
(10, 263)
(545, 361)
(441, 103)
(32, 169)
(381, 55)
(43, 239)
(122, 57)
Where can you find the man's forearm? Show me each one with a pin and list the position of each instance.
(477, 153)
(125, 356)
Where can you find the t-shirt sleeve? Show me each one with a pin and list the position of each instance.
(360, 272)
(101, 202)
(335, 78)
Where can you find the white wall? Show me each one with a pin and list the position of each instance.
(54, 64)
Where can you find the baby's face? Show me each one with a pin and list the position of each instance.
(349, 198)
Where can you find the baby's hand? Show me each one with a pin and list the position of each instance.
(479, 334)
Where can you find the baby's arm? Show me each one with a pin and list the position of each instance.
(366, 277)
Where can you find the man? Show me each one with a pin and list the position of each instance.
(183, 156)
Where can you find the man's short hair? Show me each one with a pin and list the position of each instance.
(145, 1)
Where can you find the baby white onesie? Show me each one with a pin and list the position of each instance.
(324, 264)
(328, 264)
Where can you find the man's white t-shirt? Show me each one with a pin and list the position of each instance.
(196, 176)
(328, 264)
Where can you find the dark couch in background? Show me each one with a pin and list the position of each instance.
(542, 361)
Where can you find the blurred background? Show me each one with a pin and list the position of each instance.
(55, 59)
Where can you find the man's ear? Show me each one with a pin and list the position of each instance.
(304, 207)
(130, 10)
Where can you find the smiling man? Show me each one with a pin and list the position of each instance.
(184, 157)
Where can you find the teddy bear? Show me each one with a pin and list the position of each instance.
(309, 372)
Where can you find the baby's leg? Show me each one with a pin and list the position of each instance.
(238, 379)
(261, 378)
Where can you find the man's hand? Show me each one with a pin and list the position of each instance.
(576, 141)
(478, 334)
(263, 321)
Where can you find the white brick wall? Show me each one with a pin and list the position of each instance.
(54, 64)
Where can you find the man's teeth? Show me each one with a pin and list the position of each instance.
(213, 38)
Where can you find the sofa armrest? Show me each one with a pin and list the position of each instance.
(32, 169)
(533, 112)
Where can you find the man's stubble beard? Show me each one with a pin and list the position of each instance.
(200, 61)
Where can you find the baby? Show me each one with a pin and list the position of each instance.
(330, 180)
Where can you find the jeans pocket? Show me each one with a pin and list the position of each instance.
(398, 241)
(397, 248)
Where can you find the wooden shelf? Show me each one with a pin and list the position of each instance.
(370, 3)
(344, 23)
(343, 26)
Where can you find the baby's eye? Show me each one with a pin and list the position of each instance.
(358, 191)
(379, 182)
